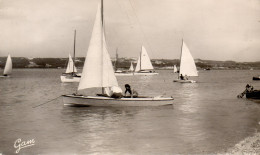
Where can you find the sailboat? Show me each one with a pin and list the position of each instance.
(175, 70)
(122, 72)
(71, 72)
(98, 72)
(187, 66)
(144, 65)
(131, 69)
(8, 67)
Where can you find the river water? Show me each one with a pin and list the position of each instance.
(206, 116)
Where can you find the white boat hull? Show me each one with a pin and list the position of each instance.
(135, 73)
(112, 102)
(184, 81)
(145, 73)
(65, 78)
(124, 74)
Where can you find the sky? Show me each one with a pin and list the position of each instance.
(212, 29)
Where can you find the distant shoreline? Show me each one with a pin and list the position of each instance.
(124, 63)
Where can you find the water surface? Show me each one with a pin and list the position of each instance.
(206, 116)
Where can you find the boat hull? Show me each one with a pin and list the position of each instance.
(124, 74)
(253, 94)
(256, 78)
(184, 81)
(135, 74)
(145, 73)
(65, 78)
(112, 102)
(4, 76)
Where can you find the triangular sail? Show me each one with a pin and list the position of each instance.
(187, 64)
(175, 70)
(70, 66)
(98, 70)
(144, 62)
(131, 67)
(8, 66)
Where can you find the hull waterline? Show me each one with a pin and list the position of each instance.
(124, 74)
(135, 74)
(112, 102)
(69, 79)
(140, 73)
(184, 81)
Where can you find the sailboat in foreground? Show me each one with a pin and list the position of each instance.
(187, 66)
(144, 65)
(8, 67)
(98, 72)
(71, 72)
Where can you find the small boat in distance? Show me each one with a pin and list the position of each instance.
(122, 72)
(207, 69)
(144, 65)
(175, 70)
(71, 72)
(8, 67)
(250, 93)
(98, 72)
(256, 78)
(187, 66)
(131, 69)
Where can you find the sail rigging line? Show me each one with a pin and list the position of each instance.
(138, 21)
(47, 102)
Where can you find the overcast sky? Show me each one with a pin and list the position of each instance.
(212, 29)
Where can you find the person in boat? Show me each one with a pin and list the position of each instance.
(249, 88)
(135, 94)
(128, 89)
(132, 93)
(181, 77)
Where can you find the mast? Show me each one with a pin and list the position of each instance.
(141, 60)
(116, 59)
(180, 59)
(74, 51)
(102, 33)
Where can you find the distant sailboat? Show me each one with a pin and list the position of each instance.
(187, 66)
(131, 69)
(98, 72)
(71, 72)
(175, 70)
(144, 65)
(122, 72)
(8, 67)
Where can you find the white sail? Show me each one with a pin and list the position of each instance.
(8, 66)
(175, 70)
(144, 62)
(131, 67)
(98, 70)
(187, 65)
(70, 66)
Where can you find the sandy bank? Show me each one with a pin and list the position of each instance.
(249, 146)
